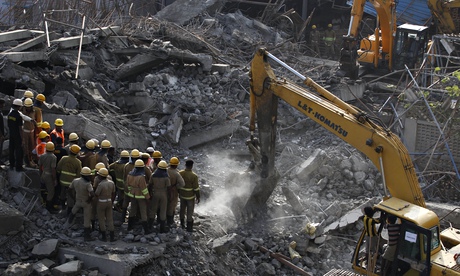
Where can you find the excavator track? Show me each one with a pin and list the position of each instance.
(340, 272)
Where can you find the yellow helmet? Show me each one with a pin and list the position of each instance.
(145, 155)
(75, 149)
(49, 146)
(73, 136)
(313, 27)
(157, 154)
(58, 122)
(174, 161)
(99, 166)
(124, 153)
(45, 125)
(135, 153)
(139, 163)
(105, 144)
(90, 144)
(103, 172)
(40, 97)
(28, 94)
(85, 171)
(43, 134)
(163, 165)
(28, 102)
(329, 25)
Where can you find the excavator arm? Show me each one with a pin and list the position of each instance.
(347, 122)
(446, 13)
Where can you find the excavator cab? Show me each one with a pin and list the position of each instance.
(409, 46)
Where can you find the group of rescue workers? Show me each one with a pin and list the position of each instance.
(87, 177)
(328, 38)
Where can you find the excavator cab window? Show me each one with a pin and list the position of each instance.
(409, 45)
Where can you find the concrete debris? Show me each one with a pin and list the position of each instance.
(19, 269)
(47, 248)
(223, 244)
(14, 218)
(70, 268)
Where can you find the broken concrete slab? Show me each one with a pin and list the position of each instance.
(140, 63)
(174, 126)
(16, 35)
(349, 218)
(293, 200)
(106, 31)
(14, 218)
(314, 161)
(182, 11)
(188, 57)
(28, 44)
(19, 269)
(47, 248)
(70, 268)
(26, 56)
(210, 134)
(73, 41)
(223, 244)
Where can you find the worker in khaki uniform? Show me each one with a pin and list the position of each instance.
(87, 155)
(28, 135)
(83, 192)
(116, 171)
(47, 168)
(135, 155)
(96, 178)
(38, 105)
(101, 156)
(173, 193)
(188, 194)
(104, 192)
(139, 193)
(157, 156)
(160, 183)
(68, 168)
(329, 41)
(73, 140)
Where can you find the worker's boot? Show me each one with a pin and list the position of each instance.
(69, 221)
(87, 234)
(104, 236)
(50, 207)
(150, 224)
(170, 220)
(163, 227)
(112, 236)
(182, 223)
(190, 226)
(93, 224)
(146, 228)
(130, 223)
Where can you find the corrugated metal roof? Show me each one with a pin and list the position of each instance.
(407, 11)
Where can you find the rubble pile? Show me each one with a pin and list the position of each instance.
(138, 87)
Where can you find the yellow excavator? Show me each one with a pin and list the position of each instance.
(390, 47)
(446, 14)
(423, 249)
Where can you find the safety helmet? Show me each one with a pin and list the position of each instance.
(85, 171)
(90, 144)
(28, 102)
(139, 163)
(157, 154)
(150, 150)
(105, 144)
(174, 161)
(49, 146)
(135, 153)
(163, 165)
(42, 134)
(73, 136)
(58, 122)
(103, 172)
(96, 142)
(329, 25)
(75, 149)
(145, 155)
(99, 166)
(28, 94)
(313, 27)
(45, 125)
(124, 153)
(17, 102)
(40, 97)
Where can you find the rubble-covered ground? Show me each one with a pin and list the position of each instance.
(154, 84)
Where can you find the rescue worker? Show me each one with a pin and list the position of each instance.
(315, 37)
(146, 157)
(111, 155)
(57, 131)
(188, 195)
(370, 230)
(40, 149)
(68, 168)
(16, 154)
(137, 189)
(38, 105)
(59, 151)
(393, 236)
(87, 156)
(73, 140)
(104, 192)
(116, 171)
(150, 151)
(102, 154)
(173, 193)
(96, 179)
(135, 155)
(329, 41)
(47, 169)
(157, 156)
(27, 95)
(45, 126)
(160, 183)
(82, 192)
(28, 135)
